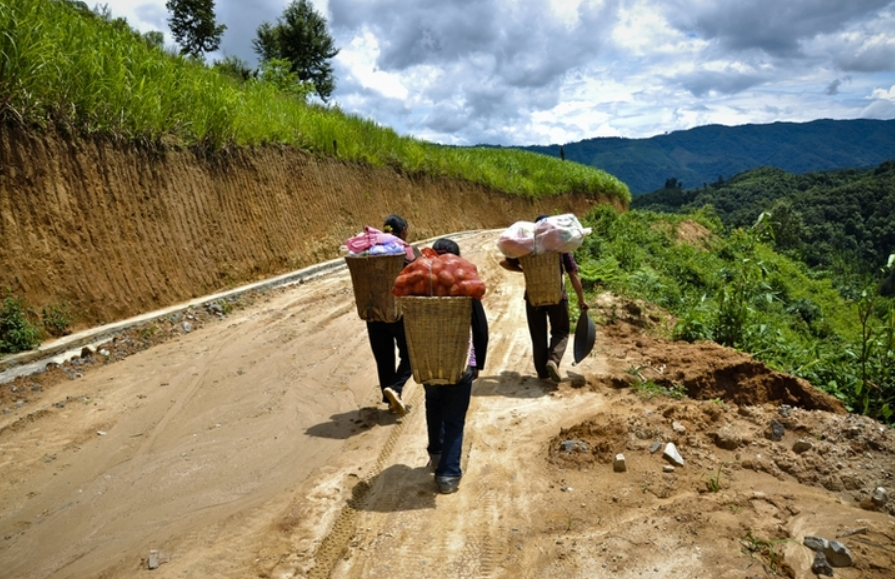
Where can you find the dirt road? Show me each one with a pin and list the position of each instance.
(257, 447)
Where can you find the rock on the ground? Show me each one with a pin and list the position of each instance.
(619, 465)
(821, 566)
(672, 455)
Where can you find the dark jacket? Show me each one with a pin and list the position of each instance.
(479, 334)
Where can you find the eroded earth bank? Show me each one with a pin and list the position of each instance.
(114, 230)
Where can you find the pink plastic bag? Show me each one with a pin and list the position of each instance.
(517, 240)
(371, 237)
(559, 233)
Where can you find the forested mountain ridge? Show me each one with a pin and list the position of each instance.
(825, 218)
(703, 154)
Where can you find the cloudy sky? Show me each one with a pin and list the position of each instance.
(539, 72)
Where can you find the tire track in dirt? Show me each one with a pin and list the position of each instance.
(335, 543)
(184, 397)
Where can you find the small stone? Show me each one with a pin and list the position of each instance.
(655, 447)
(839, 555)
(820, 566)
(880, 497)
(187, 327)
(678, 427)
(619, 465)
(777, 430)
(671, 454)
(726, 439)
(815, 543)
(785, 410)
(101, 432)
(153, 561)
(573, 445)
(667, 468)
(802, 445)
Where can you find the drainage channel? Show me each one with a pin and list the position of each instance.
(63, 349)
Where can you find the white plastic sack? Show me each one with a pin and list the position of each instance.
(517, 240)
(560, 233)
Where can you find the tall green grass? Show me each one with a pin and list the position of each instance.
(63, 66)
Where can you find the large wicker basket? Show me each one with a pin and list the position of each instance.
(543, 278)
(373, 278)
(437, 330)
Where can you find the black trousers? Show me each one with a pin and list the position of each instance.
(548, 343)
(384, 338)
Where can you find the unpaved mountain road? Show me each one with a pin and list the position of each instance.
(256, 446)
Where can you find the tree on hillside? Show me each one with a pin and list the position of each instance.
(234, 67)
(193, 25)
(300, 37)
(787, 224)
(154, 38)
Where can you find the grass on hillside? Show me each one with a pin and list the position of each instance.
(68, 67)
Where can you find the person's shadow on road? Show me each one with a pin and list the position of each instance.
(397, 488)
(512, 384)
(347, 424)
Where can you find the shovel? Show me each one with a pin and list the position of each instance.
(585, 336)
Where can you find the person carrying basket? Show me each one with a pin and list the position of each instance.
(447, 404)
(385, 337)
(549, 343)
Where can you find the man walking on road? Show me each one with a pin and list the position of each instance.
(548, 344)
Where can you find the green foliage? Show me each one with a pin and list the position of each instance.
(105, 78)
(735, 289)
(233, 67)
(192, 23)
(17, 332)
(832, 220)
(57, 318)
(277, 72)
(154, 39)
(650, 389)
(713, 482)
(300, 37)
(765, 549)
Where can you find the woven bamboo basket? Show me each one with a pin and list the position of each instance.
(373, 278)
(543, 278)
(437, 330)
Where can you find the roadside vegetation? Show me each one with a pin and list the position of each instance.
(86, 73)
(732, 287)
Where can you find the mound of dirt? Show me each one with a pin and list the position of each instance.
(735, 474)
(703, 371)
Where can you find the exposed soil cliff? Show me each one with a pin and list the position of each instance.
(116, 230)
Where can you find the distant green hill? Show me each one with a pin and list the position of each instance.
(702, 154)
(824, 218)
